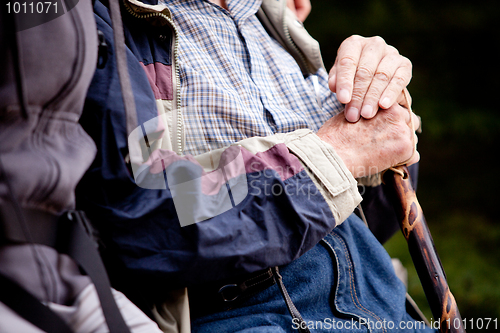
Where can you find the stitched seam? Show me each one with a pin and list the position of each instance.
(287, 296)
(257, 282)
(337, 288)
(338, 283)
(291, 306)
(354, 296)
(295, 312)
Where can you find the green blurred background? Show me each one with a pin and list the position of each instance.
(454, 47)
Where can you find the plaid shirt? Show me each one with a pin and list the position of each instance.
(237, 81)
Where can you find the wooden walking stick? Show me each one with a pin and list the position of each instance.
(423, 253)
(421, 246)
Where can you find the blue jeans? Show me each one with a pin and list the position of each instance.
(346, 283)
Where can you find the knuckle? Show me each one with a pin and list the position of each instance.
(397, 117)
(405, 66)
(377, 40)
(348, 61)
(400, 80)
(355, 38)
(364, 73)
(392, 50)
(417, 122)
(405, 62)
(417, 157)
(374, 92)
(357, 96)
(373, 95)
(382, 76)
(306, 5)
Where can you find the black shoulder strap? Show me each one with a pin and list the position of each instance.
(79, 246)
(71, 234)
(30, 308)
(73, 238)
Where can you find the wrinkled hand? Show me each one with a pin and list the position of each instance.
(370, 146)
(301, 8)
(367, 75)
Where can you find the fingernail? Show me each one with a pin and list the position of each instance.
(367, 111)
(343, 96)
(352, 114)
(386, 103)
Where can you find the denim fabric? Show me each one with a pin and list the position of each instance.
(347, 278)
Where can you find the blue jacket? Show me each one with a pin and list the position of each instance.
(145, 224)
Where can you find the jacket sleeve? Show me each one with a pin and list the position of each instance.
(183, 220)
(269, 201)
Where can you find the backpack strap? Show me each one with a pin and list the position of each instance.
(71, 234)
(30, 308)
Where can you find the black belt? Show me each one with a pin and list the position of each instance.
(229, 294)
(71, 234)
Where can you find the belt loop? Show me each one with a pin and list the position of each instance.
(229, 293)
(291, 307)
(238, 290)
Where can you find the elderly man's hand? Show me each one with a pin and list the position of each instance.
(370, 146)
(367, 75)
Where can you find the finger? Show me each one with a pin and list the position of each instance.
(303, 8)
(419, 128)
(291, 5)
(416, 122)
(405, 99)
(346, 64)
(416, 155)
(402, 114)
(382, 77)
(370, 59)
(414, 159)
(332, 79)
(412, 154)
(397, 83)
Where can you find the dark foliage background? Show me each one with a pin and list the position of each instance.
(454, 47)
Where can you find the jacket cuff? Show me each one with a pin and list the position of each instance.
(327, 170)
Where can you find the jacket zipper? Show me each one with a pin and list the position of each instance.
(292, 45)
(179, 123)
